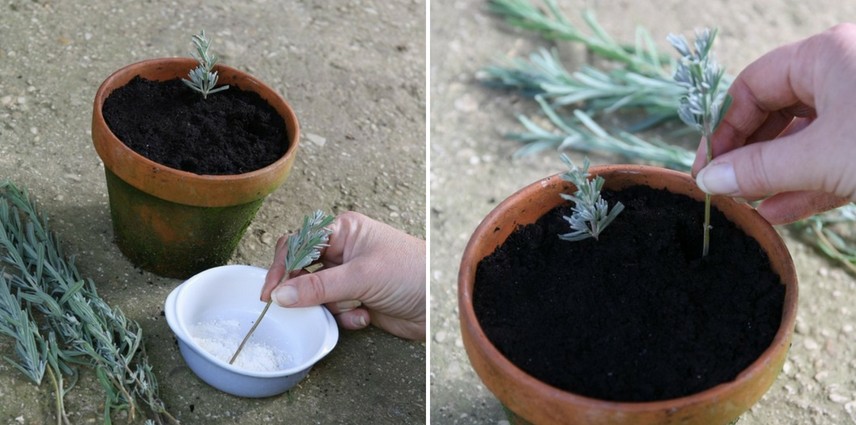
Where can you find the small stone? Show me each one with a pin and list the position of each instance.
(823, 271)
(440, 337)
(838, 398)
(466, 103)
(822, 375)
(810, 344)
(848, 328)
(802, 328)
(316, 139)
(21, 100)
(851, 410)
(20, 419)
(87, 36)
(34, 130)
(6, 101)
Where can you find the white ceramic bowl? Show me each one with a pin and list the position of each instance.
(231, 293)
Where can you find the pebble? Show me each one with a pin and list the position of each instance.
(802, 328)
(466, 103)
(316, 139)
(810, 344)
(838, 398)
(851, 410)
(440, 337)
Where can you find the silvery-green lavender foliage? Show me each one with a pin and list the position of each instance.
(706, 99)
(590, 213)
(305, 247)
(202, 78)
(45, 288)
(633, 68)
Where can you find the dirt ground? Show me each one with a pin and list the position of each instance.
(354, 72)
(472, 170)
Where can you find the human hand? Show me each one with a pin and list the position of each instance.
(373, 274)
(790, 134)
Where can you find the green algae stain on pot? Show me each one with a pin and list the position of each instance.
(171, 239)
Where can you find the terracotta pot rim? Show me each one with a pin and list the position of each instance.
(468, 318)
(179, 177)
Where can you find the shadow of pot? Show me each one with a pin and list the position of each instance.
(175, 223)
(528, 400)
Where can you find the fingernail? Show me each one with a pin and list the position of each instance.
(285, 295)
(360, 321)
(718, 179)
(347, 305)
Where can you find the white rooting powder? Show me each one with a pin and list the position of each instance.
(222, 337)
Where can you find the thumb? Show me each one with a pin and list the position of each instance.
(324, 286)
(761, 169)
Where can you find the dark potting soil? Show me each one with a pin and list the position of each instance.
(230, 132)
(636, 315)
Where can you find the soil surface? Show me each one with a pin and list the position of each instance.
(636, 315)
(229, 132)
(355, 74)
(472, 170)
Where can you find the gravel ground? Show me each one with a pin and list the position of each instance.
(354, 72)
(472, 170)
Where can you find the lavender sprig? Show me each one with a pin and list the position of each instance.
(706, 99)
(304, 248)
(591, 213)
(202, 78)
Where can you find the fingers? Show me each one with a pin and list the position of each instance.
(766, 96)
(408, 329)
(340, 230)
(277, 269)
(355, 319)
(325, 286)
(762, 169)
(789, 207)
(343, 306)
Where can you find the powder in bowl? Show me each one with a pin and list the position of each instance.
(221, 338)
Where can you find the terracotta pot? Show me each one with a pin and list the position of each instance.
(529, 400)
(175, 223)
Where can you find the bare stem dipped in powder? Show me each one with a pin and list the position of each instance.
(220, 338)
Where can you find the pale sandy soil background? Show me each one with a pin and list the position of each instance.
(471, 171)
